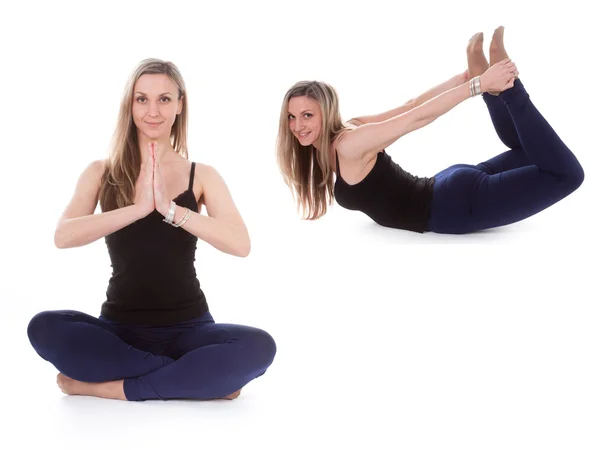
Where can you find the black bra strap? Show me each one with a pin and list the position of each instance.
(192, 172)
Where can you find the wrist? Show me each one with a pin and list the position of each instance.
(475, 86)
(180, 216)
(163, 209)
(168, 212)
(483, 83)
(139, 211)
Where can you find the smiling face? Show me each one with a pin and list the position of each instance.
(156, 105)
(304, 115)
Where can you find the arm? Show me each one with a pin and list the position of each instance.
(456, 80)
(223, 228)
(371, 137)
(78, 224)
(374, 136)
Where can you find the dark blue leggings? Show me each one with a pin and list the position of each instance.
(537, 172)
(197, 359)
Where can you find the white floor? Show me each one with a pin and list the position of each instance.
(386, 339)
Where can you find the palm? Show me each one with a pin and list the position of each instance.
(160, 199)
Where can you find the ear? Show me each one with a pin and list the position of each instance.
(180, 106)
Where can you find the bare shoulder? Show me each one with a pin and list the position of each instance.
(209, 181)
(348, 128)
(342, 139)
(207, 174)
(93, 172)
(215, 194)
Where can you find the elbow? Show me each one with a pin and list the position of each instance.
(59, 240)
(243, 250)
(63, 239)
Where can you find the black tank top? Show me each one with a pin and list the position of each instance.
(389, 195)
(153, 279)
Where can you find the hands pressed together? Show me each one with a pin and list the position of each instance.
(151, 192)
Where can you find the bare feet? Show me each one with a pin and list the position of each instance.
(109, 389)
(233, 396)
(477, 62)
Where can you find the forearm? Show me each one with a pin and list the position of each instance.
(84, 230)
(453, 82)
(440, 104)
(412, 103)
(222, 235)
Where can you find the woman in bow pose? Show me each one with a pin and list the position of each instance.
(536, 172)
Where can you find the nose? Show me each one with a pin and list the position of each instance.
(298, 125)
(153, 109)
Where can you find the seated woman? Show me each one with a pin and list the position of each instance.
(155, 337)
(538, 171)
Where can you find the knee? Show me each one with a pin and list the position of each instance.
(264, 347)
(571, 180)
(42, 327)
(577, 177)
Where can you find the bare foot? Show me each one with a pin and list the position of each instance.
(233, 396)
(476, 59)
(109, 389)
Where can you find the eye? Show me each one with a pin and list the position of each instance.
(308, 115)
(290, 117)
(140, 99)
(165, 99)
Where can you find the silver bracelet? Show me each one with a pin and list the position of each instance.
(183, 219)
(171, 214)
(475, 86)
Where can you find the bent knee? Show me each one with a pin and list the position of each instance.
(577, 177)
(572, 180)
(44, 326)
(264, 346)
(41, 325)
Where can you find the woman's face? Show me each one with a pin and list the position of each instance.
(155, 105)
(304, 115)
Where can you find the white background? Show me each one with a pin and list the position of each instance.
(386, 338)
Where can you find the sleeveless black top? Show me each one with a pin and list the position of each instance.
(389, 195)
(153, 279)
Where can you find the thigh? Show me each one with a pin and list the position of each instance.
(508, 160)
(210, 334)
(452, 194)
(46, 324)
(88, 349)
(512, 196)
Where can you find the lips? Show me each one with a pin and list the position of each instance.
(303, 135)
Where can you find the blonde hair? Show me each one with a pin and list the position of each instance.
(124, 161)
(308, 171)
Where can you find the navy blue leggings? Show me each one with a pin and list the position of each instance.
(197, 359)
(538, 171)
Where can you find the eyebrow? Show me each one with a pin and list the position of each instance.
(160, 95)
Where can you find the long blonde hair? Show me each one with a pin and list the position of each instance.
(124, 161)
(308, 171)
